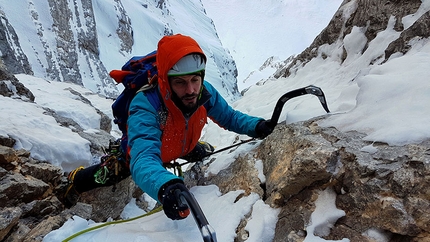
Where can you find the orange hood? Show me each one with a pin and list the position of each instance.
(170, 50)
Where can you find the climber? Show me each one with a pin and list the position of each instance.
(157, 137)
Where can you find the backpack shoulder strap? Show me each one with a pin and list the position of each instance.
(154, 97)
(145, 88)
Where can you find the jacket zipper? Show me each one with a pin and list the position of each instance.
(184, 140)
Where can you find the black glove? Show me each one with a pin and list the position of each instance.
(173, 207)
(263, 129)
(200, 151)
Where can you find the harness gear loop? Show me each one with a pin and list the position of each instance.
(113, 167)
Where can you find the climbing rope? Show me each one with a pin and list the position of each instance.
(102, 176)
(102, 179)
(110, 223)
(110, 170)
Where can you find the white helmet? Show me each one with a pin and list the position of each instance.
(187, 65)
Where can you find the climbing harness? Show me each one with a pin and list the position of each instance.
(113, 167)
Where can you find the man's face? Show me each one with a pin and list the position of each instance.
(187, 88)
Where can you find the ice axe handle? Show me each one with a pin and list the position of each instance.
(207, 232)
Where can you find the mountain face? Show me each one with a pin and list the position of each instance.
(373, 20)
(81, 41)
(382, 190)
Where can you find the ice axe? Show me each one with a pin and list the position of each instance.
(206, 230)
(311, 89)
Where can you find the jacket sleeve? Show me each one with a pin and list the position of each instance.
(226, 117)
(144, 140)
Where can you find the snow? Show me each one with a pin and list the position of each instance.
(324, 216)
(377, 235)
(388, 101)
(158, 227)
(262, 214)
(41, 135)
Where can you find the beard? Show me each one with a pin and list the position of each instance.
(183, 104)
(189, 99)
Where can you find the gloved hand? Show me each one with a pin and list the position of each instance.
(202, 150)
(173, 207)
(264, 128)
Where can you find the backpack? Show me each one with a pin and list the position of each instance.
(134, 74)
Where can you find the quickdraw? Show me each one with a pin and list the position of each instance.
(108, 168)
(113, 166)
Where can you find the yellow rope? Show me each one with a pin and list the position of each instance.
(110, 223)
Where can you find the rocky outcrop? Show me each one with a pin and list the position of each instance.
(373, 16)
(12, 55)
(26, 189)
(379, 187)
(11, 87)
(30, 194)
(419, 29)
(381, 190)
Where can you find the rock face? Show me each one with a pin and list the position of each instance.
(73, 56)
(25, 198)
(81, 41)
(11, 87)
(14, 59)
(372, 15)
(30, 193)
(381, 190)
(378, 186)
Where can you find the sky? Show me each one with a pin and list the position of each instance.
(274, 28)
(386, 101)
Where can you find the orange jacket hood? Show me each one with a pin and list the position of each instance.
(170, 50)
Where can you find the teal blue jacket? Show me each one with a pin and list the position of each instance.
(145, 135)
